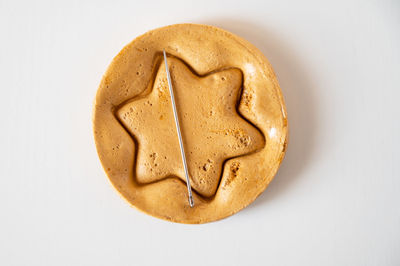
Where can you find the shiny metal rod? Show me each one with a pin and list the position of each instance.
(178, 129)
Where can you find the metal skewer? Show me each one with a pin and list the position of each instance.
(178, 129)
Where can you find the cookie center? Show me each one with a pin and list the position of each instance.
(213, 130)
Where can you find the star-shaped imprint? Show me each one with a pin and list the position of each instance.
(212, 129)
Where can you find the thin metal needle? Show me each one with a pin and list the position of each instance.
(178, 129)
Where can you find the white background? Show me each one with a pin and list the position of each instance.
(335, 200)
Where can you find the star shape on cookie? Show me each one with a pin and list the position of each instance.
(212, 129)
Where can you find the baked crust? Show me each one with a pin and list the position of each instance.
(120, 133)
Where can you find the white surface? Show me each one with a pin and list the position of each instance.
(335, 200)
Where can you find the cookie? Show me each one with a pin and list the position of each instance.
(232, 116)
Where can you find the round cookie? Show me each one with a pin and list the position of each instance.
(232, 115)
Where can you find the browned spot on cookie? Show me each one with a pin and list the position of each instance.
(116, 147)
(243, 139)
(232, 173)
(284, 146)
(207, 165)
(247, 98)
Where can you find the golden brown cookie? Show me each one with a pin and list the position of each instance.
(232, 116)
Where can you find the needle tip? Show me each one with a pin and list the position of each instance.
(191, 202)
